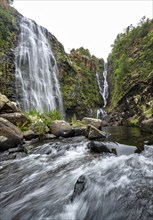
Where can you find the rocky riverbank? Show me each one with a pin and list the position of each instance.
(17, 129)
(19, 134)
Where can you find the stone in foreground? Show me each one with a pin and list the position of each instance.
(111, 147)
(61, 128)
(10, 135)
(79, 187)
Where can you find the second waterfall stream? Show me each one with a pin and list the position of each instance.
(103, 90)
(37, 83)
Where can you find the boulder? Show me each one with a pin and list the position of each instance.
(10, 135)
(92, 121)
(93, 133)
(79, 131)
(61, 128)
(99, 147)
(6, 106)
(79, 187)
(147, 125)
(111, 147)
(17, 118)
(28, 135)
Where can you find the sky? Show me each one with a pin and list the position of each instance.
(90, 24)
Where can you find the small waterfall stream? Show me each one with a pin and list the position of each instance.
(105, 87)
(37, 85)
(103, 90)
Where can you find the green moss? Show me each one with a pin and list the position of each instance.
(78, 80)
(8, 38)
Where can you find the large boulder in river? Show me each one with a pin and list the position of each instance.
(99, 147)
(92, 121)
(6, 106)
(93, 133)
(10, 135)
(17, 118)
(111, 147)
(61, 128)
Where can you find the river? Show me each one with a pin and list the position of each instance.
(119, 187)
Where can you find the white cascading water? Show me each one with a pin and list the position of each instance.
(103, 90)
(37, 85)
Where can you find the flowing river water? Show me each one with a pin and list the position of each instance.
(40, 185)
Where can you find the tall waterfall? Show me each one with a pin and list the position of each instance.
(37, 85)
(103, 90)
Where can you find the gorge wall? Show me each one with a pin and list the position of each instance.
(130, 74)
(76, 71)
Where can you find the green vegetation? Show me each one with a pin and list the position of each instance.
(131, 63)
(77, 75)
(75, 122)
(40, 121)
(78, 81)
(8, 39)
(45, 117)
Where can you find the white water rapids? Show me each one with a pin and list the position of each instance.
(40, 186)
(37, 85)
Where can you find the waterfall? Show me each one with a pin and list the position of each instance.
(37, 85)
(103, 90)
(105, 87)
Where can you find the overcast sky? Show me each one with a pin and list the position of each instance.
(91, 24)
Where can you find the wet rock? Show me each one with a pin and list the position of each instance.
(49, 136)
(28, 135)
(94, 133)
(17, 118)
(92, 121)
(61, 128)
(66, 134)
(79, 187)
(149, 141)
(6, 106)
(28, 148)
(147, 125)
(79, 131)
(111, 147)
(14, 150)
(99, 147)
(10, 135)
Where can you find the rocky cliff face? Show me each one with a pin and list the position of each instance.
(77, 70)
(130, 74)
(8, 41)
(80, 91)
